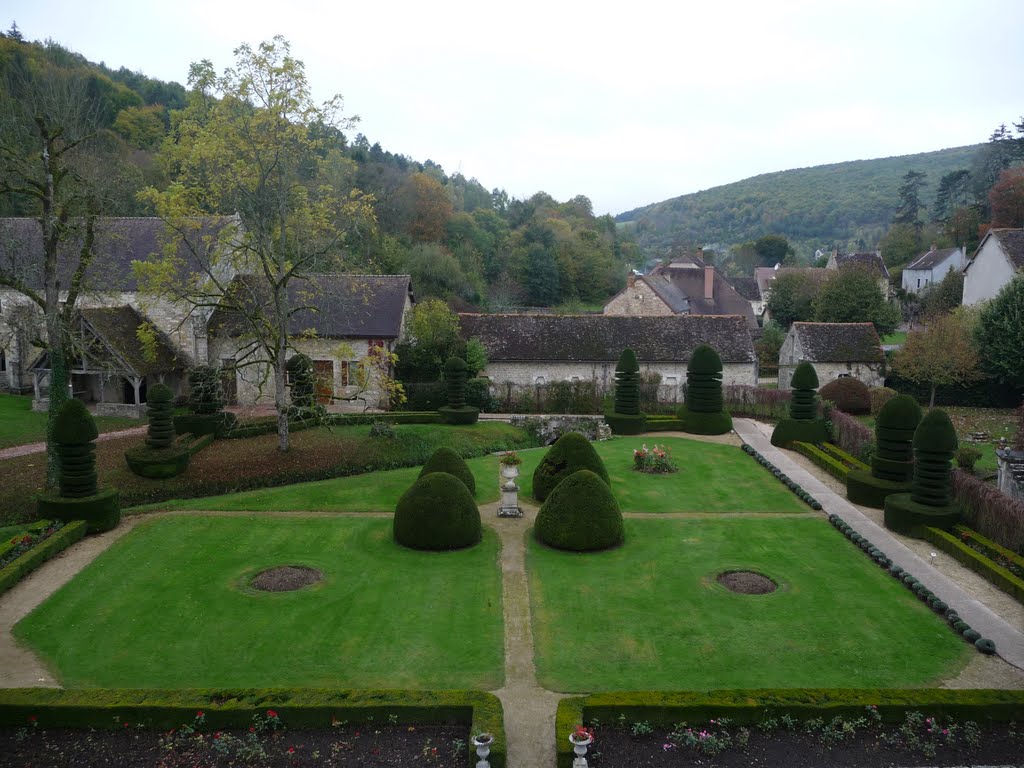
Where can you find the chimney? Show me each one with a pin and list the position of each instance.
(709, 283)
(631, 280)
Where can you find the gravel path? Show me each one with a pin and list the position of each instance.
(25, 450)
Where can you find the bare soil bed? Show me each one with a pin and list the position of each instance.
(132, 747)
(998, 746)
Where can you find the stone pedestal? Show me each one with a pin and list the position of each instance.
(510, 500)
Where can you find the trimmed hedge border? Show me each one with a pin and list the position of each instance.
(8, 544)
(16, 570)
(782, 477)
(233, 708)
(749, 707)
(626, 423)
(833, 466)
(268, 425)
(663, 424)
(849, 460)
(977, 562)
(925, 595)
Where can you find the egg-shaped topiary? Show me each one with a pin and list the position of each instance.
(445, 459)
(704, 360)
(437, 513)
(901, 412)
(804, 382)
(936, 434)
(570, 453)
(847, 394)
(455, 374)
(704, 381)
(73, 424)
(804, 377)
(580, 515)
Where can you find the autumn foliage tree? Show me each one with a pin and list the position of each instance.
(940, 354)
(1006, 198)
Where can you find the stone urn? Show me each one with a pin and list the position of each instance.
(580, 742)
(482, 742)
(510, 471)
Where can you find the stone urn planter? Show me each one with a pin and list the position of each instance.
(482, 742)
(581, 738)
(510, 471)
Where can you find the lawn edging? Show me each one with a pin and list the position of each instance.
(748, 707)
(782, 477)
(50, 547)
(225, 708)
(976, 561)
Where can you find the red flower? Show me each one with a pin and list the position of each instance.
(32, 718)
(199, 713)
(252, 729)
(125, 725)
(216, 735)
(291, 750)
(271, 713)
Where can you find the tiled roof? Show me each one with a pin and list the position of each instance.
(868, 259)
(839, 342)
(681, 287)
(746, 287)
(118, 242)
(1012, 242)
(118, 328)
(764, 275)
(932, 259)
(331, 305)
(601, 338)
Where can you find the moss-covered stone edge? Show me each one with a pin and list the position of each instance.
(224, 708)
(782, 477)
(48, 548)
(925, 595)
(976, 561)
(749, 707)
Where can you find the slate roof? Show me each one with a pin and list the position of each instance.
(601, 338)
(331, 305)
(117, 327)
(765, 275)
(1012, 242)
(118, 242)
(932, 259)
(746, 287)
(839, 342)
(868, 259)
(681, 286)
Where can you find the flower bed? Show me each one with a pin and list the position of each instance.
(999, 566)
(655, 461)
(32, 549)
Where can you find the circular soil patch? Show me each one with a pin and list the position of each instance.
(286, 578)
(747, 582)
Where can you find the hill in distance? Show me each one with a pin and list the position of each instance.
(847, 206)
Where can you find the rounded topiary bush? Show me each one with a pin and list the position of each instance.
(804, 382)
(570, 453)
(447, 460)
(879, 397)
(580, 515)
(160, 408)
(627, 384)
(847, 394)
(437, 513)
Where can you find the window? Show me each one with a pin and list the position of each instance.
(3, 360)
(344, 373)
(538, 380)
(919, 282)
(671, 381)
(575, 379)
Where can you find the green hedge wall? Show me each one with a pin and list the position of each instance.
(804, 430)
(626, 424)
(977, 562)
(298, 708)
(869, 491)
(834, 467)
(749, 707)
(16, 570)
(663, 424)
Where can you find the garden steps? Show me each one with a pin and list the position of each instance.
(1009, 640)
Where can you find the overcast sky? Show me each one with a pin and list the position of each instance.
(627, 103)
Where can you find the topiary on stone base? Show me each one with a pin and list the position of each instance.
(437, 513)
(457, 412)
(160, 457)
(703, 413)
(893, 461)
(580, 515)
(802, 424)
(74, 431)
(570, 453)
(929, 502)
(447, 460)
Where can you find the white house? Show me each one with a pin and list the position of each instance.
(835, 350)
(999, 257)
(929, 268)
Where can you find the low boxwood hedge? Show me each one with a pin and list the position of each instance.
(17, 569)
(869, 491)
(910, 518)
(465, 414)
(803, 430)
(833, 466)
(702, 423)
(298, 708)
(842, 456)
(268, 425)
(102, 511)
(626, 423)
(663, 424)
(976, 561)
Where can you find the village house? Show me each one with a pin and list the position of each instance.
(871, 260)
(686, 286)
(929, 269)
(835, 350)
(999, 257)
(524, 351)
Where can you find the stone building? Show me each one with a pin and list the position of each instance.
(999, 257)
(928, 269)
(524, 351)
(835, 350)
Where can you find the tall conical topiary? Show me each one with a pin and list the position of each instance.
(627, 384)
(570, 453)
(804, 383)
(929, 503)
(803, 424)
(160, 407)
(74, 431)
(893, 461)
(580, 515)
(704, 413)
(457, 412)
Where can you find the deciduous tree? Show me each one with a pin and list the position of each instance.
(853, 295)
(791, 298)
(1000, 333)
(940, 353)
(1006, 199)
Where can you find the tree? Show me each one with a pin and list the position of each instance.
(541, 277)
(48, 125)
(909, 210)
(1000, 333)
(853, 295)
(1006, 199)
(943, 297)
(791, 298)
(901, 244)
(940, 353)
(425, 208)
(246, 143)
(433, 331)
(768, 346)
(954, 192)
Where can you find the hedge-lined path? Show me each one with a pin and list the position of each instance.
(529, 709)
(25, 450)
(1009, 639)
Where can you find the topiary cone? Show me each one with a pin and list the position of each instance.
(445, 459)
(455, 374)
(804, 382)
(74, 430)
(437, 513)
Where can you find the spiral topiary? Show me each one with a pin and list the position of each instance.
(893, 461)
(445, 459)
(457, 412)
(627, 384)
(804, 382)
(570, 453)
(803, 424)
(580, 515)
(74, 430)
(704, 381)
(160, 408)
(437, 513)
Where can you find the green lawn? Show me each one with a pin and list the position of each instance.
(166, 607)
(650, 614)
(20, 425)
(897, 337)
(712, 478)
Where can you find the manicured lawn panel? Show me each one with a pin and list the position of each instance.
(166, 607)
(20, 425)
(650, 614)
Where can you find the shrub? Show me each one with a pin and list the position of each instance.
(74, 430)
(989, 511)
(627, 384)
(160, 407)
(756, 402)
(804, 382)
(437, 513)
(934, 444)
(803, 430)
(847, 394)
(205, 394)
(704, 381)
(879, 397)
(102, 510)
(966, 457)
(717, 423)
(301, 381)
(850, 435)
(455, 375)
(570, 453)
(383, 429)
(626, 424)
(580, 515)
(446, 460)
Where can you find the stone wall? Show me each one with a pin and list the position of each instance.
(638, 299)
(1011, 472)
(869, 373)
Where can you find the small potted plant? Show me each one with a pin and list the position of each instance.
(581, 737)
(482, 742)
(509, 462)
